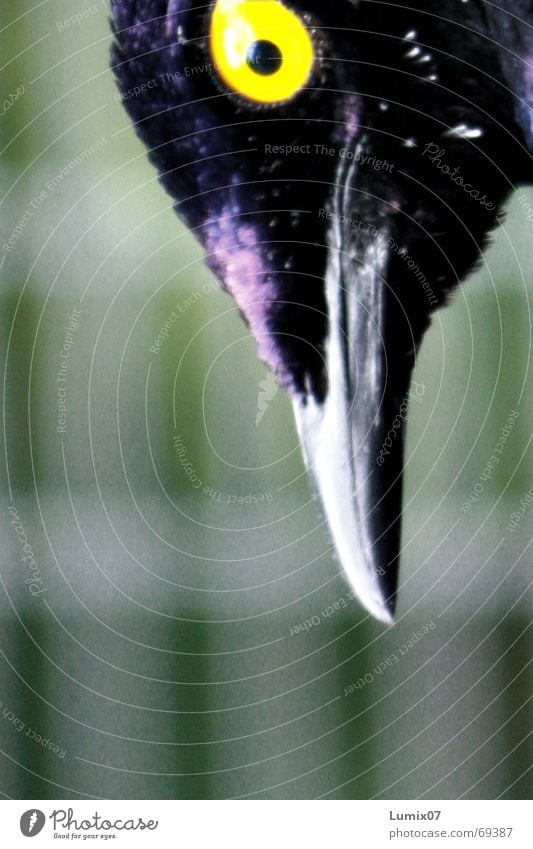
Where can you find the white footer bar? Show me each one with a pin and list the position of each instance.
(267, 824)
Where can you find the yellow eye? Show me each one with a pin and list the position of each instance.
(261, 49)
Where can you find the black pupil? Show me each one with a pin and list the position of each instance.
(264, 57)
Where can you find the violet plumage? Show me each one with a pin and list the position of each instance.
(341, 217)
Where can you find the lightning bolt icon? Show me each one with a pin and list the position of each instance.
(33, 820)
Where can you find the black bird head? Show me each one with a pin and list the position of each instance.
(341, 164)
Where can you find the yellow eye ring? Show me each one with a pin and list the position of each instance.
(261, 49)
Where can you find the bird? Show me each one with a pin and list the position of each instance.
(343, 165)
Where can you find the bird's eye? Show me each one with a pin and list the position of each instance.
(261, 49)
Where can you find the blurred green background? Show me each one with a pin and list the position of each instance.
(159, 657)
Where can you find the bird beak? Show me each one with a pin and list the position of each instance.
(352, 438)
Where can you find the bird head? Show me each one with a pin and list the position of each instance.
(311, 149)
